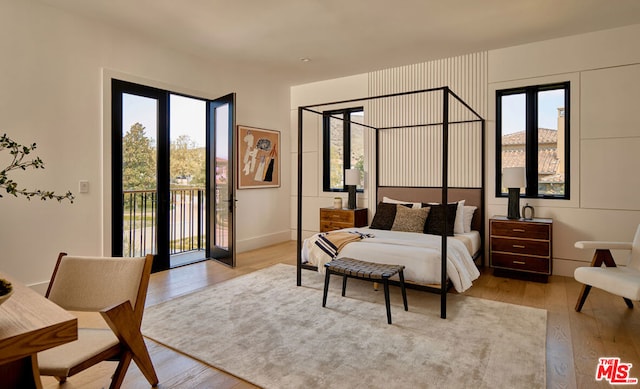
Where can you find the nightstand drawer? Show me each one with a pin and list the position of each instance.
(336, 218)
(518, 262)
(521, 230)
(336, 215)
(520, 246)
(330, 226)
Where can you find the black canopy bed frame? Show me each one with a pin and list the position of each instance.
(446, 193)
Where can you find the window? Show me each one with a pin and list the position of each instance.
(343, 140)
(532, 131)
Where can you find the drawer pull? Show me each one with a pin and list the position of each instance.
(518, 246)
(518, 230)
(519, 262)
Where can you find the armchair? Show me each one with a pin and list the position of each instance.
(115, 287)
(623, 281)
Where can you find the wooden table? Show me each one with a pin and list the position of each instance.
(29, 323)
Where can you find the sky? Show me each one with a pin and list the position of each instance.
(513, 111)
(187, 116)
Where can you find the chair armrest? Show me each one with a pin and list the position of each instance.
(601, 245)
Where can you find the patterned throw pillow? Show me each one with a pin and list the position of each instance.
(410, 219)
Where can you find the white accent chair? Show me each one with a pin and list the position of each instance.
(623, 281)
(115, 287)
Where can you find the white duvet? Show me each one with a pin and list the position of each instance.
(419, 253)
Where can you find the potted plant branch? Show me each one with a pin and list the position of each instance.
(18, 153)
(20, 161)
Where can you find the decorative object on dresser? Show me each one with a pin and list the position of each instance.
(528, 212)
(335, 219)
(513, 179)
(351, 180)
(521, 246)
(337, 202)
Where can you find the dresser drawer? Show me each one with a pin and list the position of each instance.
(521, 230)
(521, 263)
(520, 246)
(336, 215)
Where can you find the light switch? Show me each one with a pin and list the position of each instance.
(84, 186)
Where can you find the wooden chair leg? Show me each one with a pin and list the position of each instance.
(582, 297)
(121, 371)
(121, 321)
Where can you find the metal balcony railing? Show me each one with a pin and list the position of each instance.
(186, 221)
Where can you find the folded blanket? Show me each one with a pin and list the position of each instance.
(324, 247)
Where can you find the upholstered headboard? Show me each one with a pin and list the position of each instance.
(472, 196)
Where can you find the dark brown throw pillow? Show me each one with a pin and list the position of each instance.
(436, 218)
(384, 217)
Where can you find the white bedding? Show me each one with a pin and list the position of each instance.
(419, 253)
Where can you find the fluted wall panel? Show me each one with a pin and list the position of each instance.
(412, 156)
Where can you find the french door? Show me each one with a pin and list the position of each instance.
(172, 170)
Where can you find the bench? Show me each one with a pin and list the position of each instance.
(368, 271)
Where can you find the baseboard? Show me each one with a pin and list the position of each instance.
(262, 241)
(566, 267)
(40, 287)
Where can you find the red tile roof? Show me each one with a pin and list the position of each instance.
(513, 153)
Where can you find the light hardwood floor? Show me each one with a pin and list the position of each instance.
(605, 328)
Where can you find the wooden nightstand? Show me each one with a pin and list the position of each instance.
(335, 219)
(520, 245)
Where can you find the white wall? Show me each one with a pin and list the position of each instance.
(604, 70)
(52, 75)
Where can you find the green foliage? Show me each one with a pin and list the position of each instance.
(138, 160)
(187, 161)
(18, 153)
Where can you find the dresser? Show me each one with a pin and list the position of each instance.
(335, 219)
(521, 246)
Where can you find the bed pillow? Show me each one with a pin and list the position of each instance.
(393, 201)
(458, 225)
(436, 218)
(385, 214)
(468, 217)
(410, 219)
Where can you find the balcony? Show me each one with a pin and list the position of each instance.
(186, 224)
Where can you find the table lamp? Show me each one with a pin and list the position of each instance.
(351, 180)
(513, 179)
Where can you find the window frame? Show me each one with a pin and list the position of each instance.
(346, 145)
(531, 139)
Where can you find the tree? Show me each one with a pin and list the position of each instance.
(138, 160)
(187, 161)
(18, 153)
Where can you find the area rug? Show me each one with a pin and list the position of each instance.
(263, 328)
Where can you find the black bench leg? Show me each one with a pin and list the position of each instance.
(344, 284)
(386, 300)
(404, 291)
(326, 287)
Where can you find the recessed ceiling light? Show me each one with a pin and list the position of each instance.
(305, 59)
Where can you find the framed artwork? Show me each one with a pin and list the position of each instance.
(258, 158)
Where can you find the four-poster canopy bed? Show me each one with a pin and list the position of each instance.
(415, 113)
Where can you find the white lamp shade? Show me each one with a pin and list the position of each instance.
(351, 177)
(513, 177)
